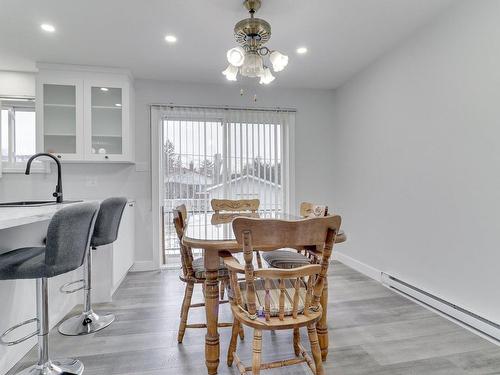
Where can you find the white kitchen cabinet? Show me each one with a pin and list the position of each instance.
(112, 262)
(124, 246)
(85, 114)
(59, 114)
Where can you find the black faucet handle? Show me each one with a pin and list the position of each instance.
(57, 193)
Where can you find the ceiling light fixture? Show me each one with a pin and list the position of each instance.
(248, 58)
(47, 27)
(170, 38)
(301, 50)
(231, 72)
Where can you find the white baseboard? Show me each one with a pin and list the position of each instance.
(361, 267)
(144, 265)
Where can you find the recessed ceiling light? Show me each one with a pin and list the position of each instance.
(118, 105)
(48, 27)
(104, 89)
(301, 50)
(171, 38)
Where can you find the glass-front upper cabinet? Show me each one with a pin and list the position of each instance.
(60, 113)
(85, 113)
(108, 114)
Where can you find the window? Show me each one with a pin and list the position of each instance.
(231, 154)
(18, 135)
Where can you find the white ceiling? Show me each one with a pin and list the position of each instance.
(343, 36)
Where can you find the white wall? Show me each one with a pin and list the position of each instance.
(96, 181)
(17, 83)
(417, 156)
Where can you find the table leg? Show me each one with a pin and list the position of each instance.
(322, 326)
(212, 348)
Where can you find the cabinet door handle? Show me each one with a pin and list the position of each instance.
(59, 156)
(106, 157)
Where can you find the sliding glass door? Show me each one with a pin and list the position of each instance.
(220, 153)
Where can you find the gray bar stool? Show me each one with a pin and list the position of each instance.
(68, 238)
(105, 232)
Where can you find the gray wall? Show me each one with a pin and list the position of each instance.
(417, 145)
(312, 134)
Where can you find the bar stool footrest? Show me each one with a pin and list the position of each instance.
(22, 339)
(63, 289)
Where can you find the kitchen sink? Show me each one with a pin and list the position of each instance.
(33, 203)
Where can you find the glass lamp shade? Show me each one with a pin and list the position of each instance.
(236, 56)
(278, 60)
(253, 66)
(231, 72)
(266, 77)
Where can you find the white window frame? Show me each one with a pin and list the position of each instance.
(13, 166)
(156, 115)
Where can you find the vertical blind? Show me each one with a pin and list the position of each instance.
(223, 153)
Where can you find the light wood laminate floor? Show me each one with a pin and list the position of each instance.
(372, 331)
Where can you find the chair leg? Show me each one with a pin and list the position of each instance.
(315, 349)
(257, 351)
(222, 288)
(88, 321)
(242, 332)
(259, 259)
(322, 326)
(234, 341)
(296, 341)
(45, 365)
(42, 297)
(186, 303)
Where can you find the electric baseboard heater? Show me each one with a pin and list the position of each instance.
(464, 316)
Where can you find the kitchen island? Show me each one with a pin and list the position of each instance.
(26, 227)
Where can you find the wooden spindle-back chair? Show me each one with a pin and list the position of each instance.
(309, 210)
(279, 299)
(291, 259)
(234, 206)
(193, 272)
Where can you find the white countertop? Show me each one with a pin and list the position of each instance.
(16, 216)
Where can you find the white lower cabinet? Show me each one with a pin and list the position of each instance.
(124, 246)
(111, 263)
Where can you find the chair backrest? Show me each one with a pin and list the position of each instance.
(180, 220)
(238, 205)
(183, 211)
(108, 221)
(268, 234)
(68, 236)
(227, 217)
(308, 209)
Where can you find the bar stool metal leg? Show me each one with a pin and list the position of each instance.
(88, 321)
(45, 366)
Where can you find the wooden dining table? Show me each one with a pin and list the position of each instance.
(213, 232)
